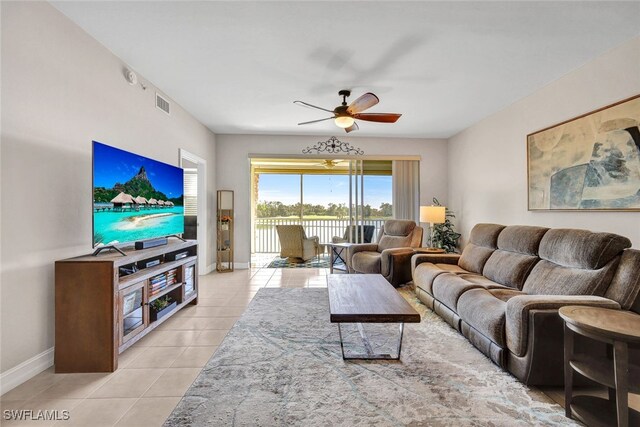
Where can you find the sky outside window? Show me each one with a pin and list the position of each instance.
(321, 190)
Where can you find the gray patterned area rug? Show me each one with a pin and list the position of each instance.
(281, 365)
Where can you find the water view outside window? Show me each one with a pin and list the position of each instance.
(318, 202)
(323, 196)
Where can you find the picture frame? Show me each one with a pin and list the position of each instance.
(587, 163)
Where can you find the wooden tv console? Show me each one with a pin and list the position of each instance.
(103, 302)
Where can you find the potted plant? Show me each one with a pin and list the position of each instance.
(224, 222)
(444, 235)
(161, 307)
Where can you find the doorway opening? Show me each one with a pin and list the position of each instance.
(195, 204)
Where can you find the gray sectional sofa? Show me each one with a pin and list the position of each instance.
(503, 293)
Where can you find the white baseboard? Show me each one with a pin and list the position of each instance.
(236, 265)
(209, 269)
(28, 369)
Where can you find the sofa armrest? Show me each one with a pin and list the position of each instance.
(360, 247)
(519, 307)
(395, 265)
(434, 259)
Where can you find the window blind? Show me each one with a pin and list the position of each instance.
(190, 193)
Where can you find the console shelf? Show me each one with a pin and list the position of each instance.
(103, 302)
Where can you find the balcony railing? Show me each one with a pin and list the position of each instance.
(266, 236)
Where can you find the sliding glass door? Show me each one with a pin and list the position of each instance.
(332, 199)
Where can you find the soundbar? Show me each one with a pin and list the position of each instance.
(151, 243)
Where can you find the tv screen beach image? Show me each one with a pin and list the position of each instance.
(134, 197)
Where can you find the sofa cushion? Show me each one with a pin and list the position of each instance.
(516, 255)
(366, 262)
(452, 268)
(474, 257)
(399, 227)
(522, 239)
(548, 278)
(480, 280)
(581, 248)
(509, 268)
(486, 235)
(485, 313)
(448, 287)
(424, 274)
(505, 294)
(483, 240)
(625, 286)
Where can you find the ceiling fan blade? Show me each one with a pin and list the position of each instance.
(351, 128)
(378, 117)
(316, 121)
(367, 100)
(305, 104)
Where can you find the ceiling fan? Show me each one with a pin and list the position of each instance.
(345, 115)
(329, 163)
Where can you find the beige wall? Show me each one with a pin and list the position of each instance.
(233, 168)
(60, 90)
(488, 165)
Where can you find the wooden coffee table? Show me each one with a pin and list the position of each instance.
(367, 298)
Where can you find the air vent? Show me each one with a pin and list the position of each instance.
(162, 104)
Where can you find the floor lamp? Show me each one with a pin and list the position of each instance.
(432, 215)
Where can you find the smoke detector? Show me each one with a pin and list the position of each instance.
(131, 77)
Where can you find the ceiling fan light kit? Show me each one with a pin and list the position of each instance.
(344, 121)
(345, 115)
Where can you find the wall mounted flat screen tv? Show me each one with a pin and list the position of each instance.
(134, 197)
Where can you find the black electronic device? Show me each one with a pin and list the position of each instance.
(126, 270)
(151, 243)
(152, 263)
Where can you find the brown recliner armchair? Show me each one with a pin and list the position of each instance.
(391, 256)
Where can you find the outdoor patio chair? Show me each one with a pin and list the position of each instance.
(368, 234)
(295, 244)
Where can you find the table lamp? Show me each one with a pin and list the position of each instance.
(432, 215)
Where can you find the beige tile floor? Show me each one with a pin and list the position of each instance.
(156, 372)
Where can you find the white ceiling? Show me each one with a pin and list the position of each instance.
(238, 66)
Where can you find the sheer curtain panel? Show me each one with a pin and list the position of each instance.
(406, 189)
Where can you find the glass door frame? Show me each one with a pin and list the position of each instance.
(354, 163)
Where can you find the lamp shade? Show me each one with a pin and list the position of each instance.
(225, 199)
(432, 214)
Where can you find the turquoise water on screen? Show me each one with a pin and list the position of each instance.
(111, 227)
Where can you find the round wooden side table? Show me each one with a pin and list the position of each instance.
(429, 251)
(617, 328)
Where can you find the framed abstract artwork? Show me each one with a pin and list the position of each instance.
(589, 163)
